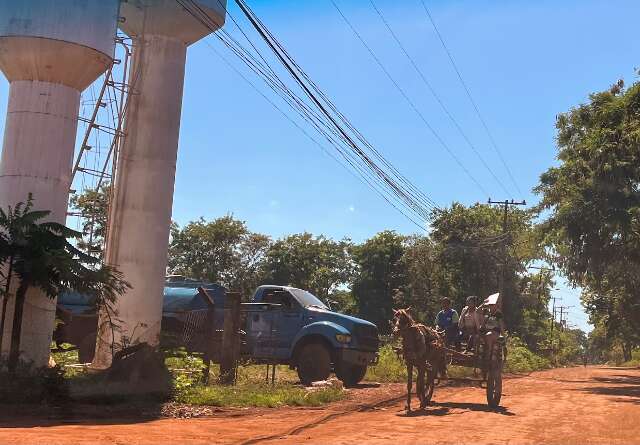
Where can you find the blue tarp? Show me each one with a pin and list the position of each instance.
(178, 297)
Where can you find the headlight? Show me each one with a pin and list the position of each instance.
(343, 338)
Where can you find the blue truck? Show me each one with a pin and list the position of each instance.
(280, 325)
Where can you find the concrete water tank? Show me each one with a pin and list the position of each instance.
(50, 50)
(138, 232)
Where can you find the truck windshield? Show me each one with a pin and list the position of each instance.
(307, 299)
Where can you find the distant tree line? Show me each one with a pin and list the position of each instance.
(461, 256)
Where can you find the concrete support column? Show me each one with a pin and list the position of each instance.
(39, 137)
(138, 233)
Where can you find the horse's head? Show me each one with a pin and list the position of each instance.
(401, 320)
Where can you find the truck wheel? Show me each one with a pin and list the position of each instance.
(350, 374)
(314, 363)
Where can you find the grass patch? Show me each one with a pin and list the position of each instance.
(65, 356)
(251, 390)
(258, 395)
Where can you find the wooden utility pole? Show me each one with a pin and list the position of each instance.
(230, 338)
(553, 317)
(503, 269)
(563, 312)
(542, 269)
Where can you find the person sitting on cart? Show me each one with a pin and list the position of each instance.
(494, 325)
(447, 321)
(471, 322)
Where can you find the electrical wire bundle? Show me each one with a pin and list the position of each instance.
(314, 106)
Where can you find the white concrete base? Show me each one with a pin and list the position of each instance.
(138, 233)
(39, 138)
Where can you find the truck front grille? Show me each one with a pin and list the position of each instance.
(367, 337)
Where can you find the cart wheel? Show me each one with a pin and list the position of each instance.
(494, 380)
(494, 388)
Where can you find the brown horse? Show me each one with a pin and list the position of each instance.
(422, 347)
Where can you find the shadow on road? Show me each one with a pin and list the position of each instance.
(446, 408)
(425, 412)
(364, 385)
(26, 416)
(624, 388)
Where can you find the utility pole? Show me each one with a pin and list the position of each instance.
(506, 204)
(553, 322)
(542, 269)
(563, 312)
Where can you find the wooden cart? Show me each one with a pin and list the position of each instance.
(487, 364)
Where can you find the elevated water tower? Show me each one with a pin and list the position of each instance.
(138, 232)
(50, 51)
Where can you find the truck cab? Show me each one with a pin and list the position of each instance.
(292, 326)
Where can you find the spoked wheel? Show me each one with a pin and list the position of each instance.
(494, 388)
(494, 378)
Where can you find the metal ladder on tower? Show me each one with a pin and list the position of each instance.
(106, 119)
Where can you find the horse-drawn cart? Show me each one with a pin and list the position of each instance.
(424, 348)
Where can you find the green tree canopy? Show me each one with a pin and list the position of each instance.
(92, 206)
(222, 251)
(318, 264)
(470, 249)
(591, 204)
(380, 277)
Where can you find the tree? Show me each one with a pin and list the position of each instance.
(40, 256)
(470, 249)
(425, 280)
(93, 207)
(318, 264)
(591, 204)
(380, 276)
(222, 251)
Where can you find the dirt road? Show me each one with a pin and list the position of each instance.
(563, 406)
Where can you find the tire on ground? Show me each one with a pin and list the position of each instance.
(314, 363)
(350, 374)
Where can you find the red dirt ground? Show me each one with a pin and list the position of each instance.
(562, 406)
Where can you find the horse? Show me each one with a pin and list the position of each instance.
(422, 347)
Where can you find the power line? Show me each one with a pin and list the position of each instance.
(411, 198)
(468, 91)
(308, 136)
(436, 96)
(408, 99)
(282, 52)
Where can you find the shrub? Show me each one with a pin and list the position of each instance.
(521, 359)
(390, 368)
(635, 359)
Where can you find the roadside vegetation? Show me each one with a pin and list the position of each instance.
(187, 387)
(391, 368)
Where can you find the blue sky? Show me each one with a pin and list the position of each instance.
(524, 61)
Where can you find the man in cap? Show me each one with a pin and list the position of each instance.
(447, 321)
